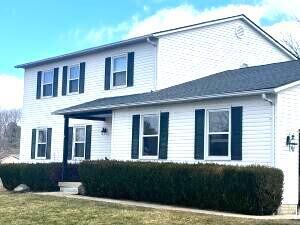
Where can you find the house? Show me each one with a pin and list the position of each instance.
(222, 91)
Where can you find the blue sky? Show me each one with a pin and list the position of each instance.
(32, 30)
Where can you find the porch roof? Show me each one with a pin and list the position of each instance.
(238, 82)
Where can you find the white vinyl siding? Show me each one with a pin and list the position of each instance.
(257, 130)
(288, 123)
(195, 53)
(94, 89)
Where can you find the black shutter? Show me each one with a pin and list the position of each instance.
(82, 77)
(64, 81)
(33, 143)
(38, 85)
(199, 133)
(130, 69)
(55, 82)
(88, 141)
(135, 136)
(107, 73)
(236, 132)
(49, 137)
(70, 143)
(163, 135)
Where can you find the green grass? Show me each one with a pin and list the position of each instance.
(33, 209)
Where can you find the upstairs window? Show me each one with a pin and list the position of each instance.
(119, 71)
(150, 135)
(47, 83)
(74, 79)
(41, 143)
(218, 133)
(79, 142)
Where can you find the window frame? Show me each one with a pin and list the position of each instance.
(112, 71)
(69, 79)
(42, 84)
(74, 142)
(208, 133)
(37, 142)
(148, 135)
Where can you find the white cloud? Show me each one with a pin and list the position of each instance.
(265, 10)
(281, 15)
(11, 92)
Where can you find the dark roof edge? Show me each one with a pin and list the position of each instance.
(163, 101)
(285, 49)
(85, 51)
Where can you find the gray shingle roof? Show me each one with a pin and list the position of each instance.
(232, 82)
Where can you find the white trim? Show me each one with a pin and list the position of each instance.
(42, 83)
(37, 142)
(207, 133)
(167, 101)
(69, 79)
(112, 71)
(281, 88)
(74, 142)
(141, 141)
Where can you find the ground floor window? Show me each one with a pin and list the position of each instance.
(41, 143)
(79, 141)
(150, 135)
(218, 133)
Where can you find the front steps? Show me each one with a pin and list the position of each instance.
(69, 187)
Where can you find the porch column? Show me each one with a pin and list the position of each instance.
(65, 148)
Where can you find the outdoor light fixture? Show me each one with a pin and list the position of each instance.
(291, 142)
(104, 130)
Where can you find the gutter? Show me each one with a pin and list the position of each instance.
(164, 101)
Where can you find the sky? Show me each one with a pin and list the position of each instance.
(33, 30)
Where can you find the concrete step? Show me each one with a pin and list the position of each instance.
(69, 187)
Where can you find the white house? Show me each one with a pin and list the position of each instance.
(222, 91)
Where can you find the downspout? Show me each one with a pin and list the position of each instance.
(154, 44)
(272, 103)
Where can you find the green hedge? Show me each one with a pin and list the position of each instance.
(39, 177)
(249, 189)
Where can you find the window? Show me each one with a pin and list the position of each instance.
(47, 83)
(119, 71)
(79, 142)
(74, 78)
(218, 133)
(41, 143)
(150, 135)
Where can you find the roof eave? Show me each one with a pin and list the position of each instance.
(85, 52)
(164, 101)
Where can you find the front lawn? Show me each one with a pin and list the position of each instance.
(32, 209)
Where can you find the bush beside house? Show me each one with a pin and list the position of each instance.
(39, 177)
(248, 189)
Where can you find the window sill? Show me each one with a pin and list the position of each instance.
(118, 87)
(217, 158)
(73, 93)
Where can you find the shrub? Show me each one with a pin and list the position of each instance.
(39, 177)
(248, 189)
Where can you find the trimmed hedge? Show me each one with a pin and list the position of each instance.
(39, 177)
(242, 189)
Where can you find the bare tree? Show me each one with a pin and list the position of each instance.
(9, 129)
(292, 44)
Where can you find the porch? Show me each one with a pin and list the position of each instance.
(71, 146)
